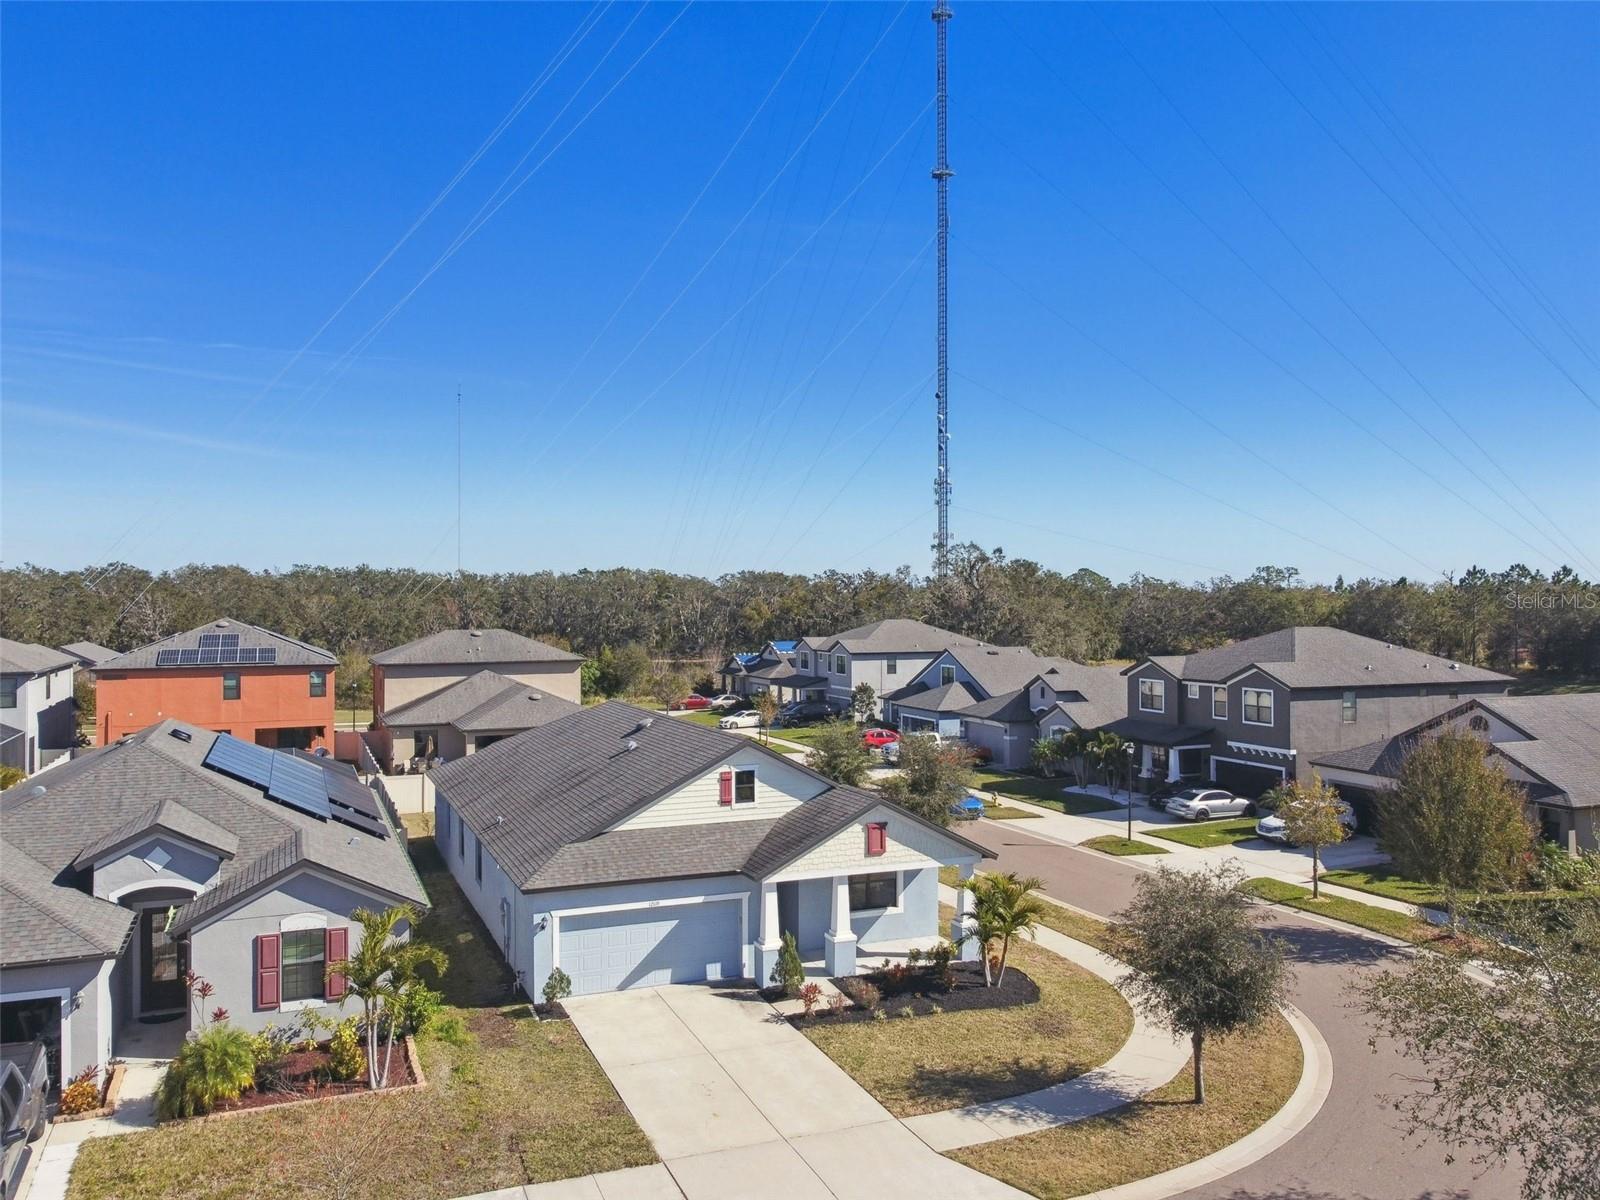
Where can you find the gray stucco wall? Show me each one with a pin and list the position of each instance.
(87, 1020)
(38, 722)
(131, 868)
(1380, 713)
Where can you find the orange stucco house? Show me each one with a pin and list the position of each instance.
(229, 676)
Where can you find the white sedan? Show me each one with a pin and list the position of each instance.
(1201, 804)
(750, 719)
(1275, 829)
(727, 700)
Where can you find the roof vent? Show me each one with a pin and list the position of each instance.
(36, 790)
(630, 744)
(1455, 666)
(646, 722)
(1424, 666)
(535, 696)
(474, 633)
(222, 624)
(183, 735)
(1368, 667)
(499, 819)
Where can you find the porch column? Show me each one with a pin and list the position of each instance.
(840, 951)
(1174, 761)
(771, 941)
(962, 922)
(1144, 761)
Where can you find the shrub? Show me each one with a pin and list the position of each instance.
(344, 1049)
(939, 959)
(1552, 867)
(811, 996)
(907, 1011)
(212, 1068)
(879, 1015)
(557, 987)
(867, 995)
(414, 1009)
(837, 1003)
(789, 972)
(82, 1093)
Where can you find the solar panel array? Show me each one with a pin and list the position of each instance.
(319, 791)
(219, 649)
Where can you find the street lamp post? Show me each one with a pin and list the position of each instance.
(1129, 751)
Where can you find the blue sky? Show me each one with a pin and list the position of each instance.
(1307, 285)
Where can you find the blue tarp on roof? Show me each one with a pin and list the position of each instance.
(786, 647)
(747, 659)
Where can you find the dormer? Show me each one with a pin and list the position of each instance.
(164, 845)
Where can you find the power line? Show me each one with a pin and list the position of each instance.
(1138, 552)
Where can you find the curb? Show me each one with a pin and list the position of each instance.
(1316, 1081)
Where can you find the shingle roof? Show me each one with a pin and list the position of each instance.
(455, 647)
(1091, 696)
(1158, 733)
(25, 658)
(485, 700)
(1008, 708)
(673, 852)
(810, 823)
(164, 815)
(98, 799)
(892, 635)
(42, 921)
(1321, 656)
(90, 653)
(291, 652)
(948, 697)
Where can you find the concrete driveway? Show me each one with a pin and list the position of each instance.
(738, 1104)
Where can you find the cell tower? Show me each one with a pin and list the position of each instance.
(941, 179)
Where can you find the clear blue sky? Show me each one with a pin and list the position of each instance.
(1156, 212)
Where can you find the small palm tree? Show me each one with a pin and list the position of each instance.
(378, 974)
(1070, 744)
(1045, 755)
(1004, 906)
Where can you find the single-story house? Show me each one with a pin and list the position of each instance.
(1548, 744)
(631, 850)
(469, 716)
(178, 849)
(38, 713)
(89, 654)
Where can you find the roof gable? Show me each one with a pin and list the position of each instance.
(288, 651)
(461, 647)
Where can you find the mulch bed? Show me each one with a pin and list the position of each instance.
(922, 992)
(305, 1075)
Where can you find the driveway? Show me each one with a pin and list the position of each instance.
(1354, 1149)
(738, 1104)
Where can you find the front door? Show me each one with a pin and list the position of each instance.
(161, 987)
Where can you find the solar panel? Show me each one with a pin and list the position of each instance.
(299, 785)
(355, 820)
(345, 791)
(229, 641)
(243, 760)
(188, 658)
(247, 655)
(266, 654)
(166, 658)
(208, 656)
(210, 641)
(226, 655)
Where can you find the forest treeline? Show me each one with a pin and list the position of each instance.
(1512, 617)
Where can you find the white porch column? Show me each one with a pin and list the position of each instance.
(768, 939)
(1174, 757)
(840, 939)
(1144, 761)
(961, 923)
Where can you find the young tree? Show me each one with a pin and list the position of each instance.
(1196, 963)
(838, 752)
(1072, 744)
(1454, 818)
(863, 702)
(766, 704)
(378, 974)
(668, 687)
(1509, 1067)
(1003, 906)
(933, 777)
(1311, 812)
(1045, 755)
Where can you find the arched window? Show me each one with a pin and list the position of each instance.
(1479, 724)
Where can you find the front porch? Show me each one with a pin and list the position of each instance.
(1164, 755)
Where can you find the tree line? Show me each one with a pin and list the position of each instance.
(1513, 617)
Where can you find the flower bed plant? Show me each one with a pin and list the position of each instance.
(923, 989)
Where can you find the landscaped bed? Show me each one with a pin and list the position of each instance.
(1206, 834)
(949, 1059)
(1249, 1077)
(509, 1101)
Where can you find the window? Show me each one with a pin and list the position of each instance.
(319, 683)
(230, 685)
(1257, 704)
(1347, 708)
(477, 861)
(505, 923)
(1219, 704)
(891, 666)
(1041, 691)
(805, 662)
(1479, 724)
(870, 892)
(461, 838)
(304, 954)
(838, 664)
(1152, 695)
(47, 687)
(8, 692)
(1194, 691)
(744, 786)
(947, 675)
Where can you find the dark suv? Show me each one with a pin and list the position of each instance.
(805, 712)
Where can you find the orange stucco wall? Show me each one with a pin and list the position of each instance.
(269, 698)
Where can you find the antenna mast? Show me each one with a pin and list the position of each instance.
(941, 177)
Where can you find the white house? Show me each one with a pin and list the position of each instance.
(38, 715)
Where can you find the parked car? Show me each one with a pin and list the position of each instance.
(891, 752)
(1275, 829)
(24, 1090)
(969, 809)
(749, 719)
(1203, 803)
(693, 703)
(804, 712)
(727, 701)
(877, 739)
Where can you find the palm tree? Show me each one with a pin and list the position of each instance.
(1108, 752)
(1045, 755)
(378, 974)
(1071, 745)
(1003, 907)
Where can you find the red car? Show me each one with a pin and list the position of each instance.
(877, 739)
(693, 703)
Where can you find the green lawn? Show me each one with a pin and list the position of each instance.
(1390, 883)
(949, 1060)
(519, 1101)
(1536, 683)
(1249, 1077)
(1114, 844)
(1090, 930)
(1367, 916)
(1047, 793)
(1004, 812)
(1208, 833)
(352, 718)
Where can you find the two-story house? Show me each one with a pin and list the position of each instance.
(229, 676)
(772, 669)
(885, 654)
(632, 850)
(1251, 714)
(38, 716)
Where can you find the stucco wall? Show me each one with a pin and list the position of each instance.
(132, 869)
(87, 1021)
(399, 684)
(45, 718)
(269, 698)
(908, 844)
(1380, 713)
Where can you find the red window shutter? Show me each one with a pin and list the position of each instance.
(268, 946)
(336, 949)
(877, 839)
(725, 793)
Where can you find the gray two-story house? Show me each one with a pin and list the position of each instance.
(1249, 715)
(886, 654)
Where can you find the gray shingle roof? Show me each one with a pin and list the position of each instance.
(96, 800)
(896, 634)
(291, 652)
(42, 921)
(485, 700)
(454, 647)
(1008, 708)
(673, 852)
(1321, 656)
(164, 815)
(948, 697)
(1091, 696)
(89, 653)
(1158, 733)
(25, 658)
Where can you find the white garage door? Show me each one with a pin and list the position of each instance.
(680, 943)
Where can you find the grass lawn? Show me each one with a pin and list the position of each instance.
(1047, 793)
(347, 718)
(1386, 881)
(1004, 812)
(1209, 833)
(1090, 930)
(519, 1101)
(1113, 844)
(1248, 1078)
(1367, 916)
(948, 1060)
(1538, 683)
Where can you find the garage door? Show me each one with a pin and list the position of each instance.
(680, 943)
(1243, 779)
